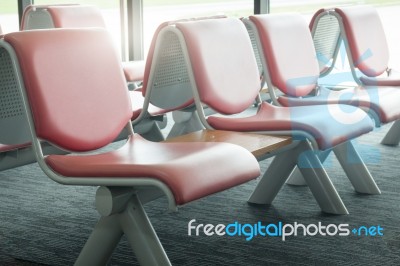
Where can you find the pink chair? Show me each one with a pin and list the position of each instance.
(216, 60)
(83, 16)
(63, 106)
(174, 79)
(18, 151)
(364, 37)
(297, 80)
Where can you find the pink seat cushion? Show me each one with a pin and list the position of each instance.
(319, 121)
(384, 101)
(187, 170)
(57, 83)
(134, 70)
(227, 76)
(286, 41)
(366, 38)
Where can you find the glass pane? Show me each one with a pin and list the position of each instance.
(103, 4)
(390, 20)
(158, 11)
(387, 9)
(110, 11)
(9, 16)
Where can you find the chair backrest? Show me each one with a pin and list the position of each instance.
(168, 68)
(366, 39)
(325, 30)
(75, 86)
(62, 16)
(227, 80)
(289, 52)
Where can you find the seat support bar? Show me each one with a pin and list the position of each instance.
(141, 235)
(101, 243)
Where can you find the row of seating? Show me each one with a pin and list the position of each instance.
(173, 101)
(296, 75)
(298, 79)
(203, 62)
(216, 83)
(368, 56)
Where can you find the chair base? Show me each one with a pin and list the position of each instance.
(352, 164)
(131, 221)
(313, 172)
(355, 169)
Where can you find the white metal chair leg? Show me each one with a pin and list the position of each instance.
(122, 213)
(314, 174)
(392, 137)
(273, 179)
(297, 179)
(355, 169)
(101, 243)
(141, 235)
(319, 183)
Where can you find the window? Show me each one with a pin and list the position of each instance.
(9, 16)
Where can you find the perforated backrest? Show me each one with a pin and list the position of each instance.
(289, 51)
(75, 86)
(253, 39)
(366, 39)
(325, 28)
(170, 84)
(223, 63)
(62, 16)
(38, 17)
(13, 123)
(150, 54)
